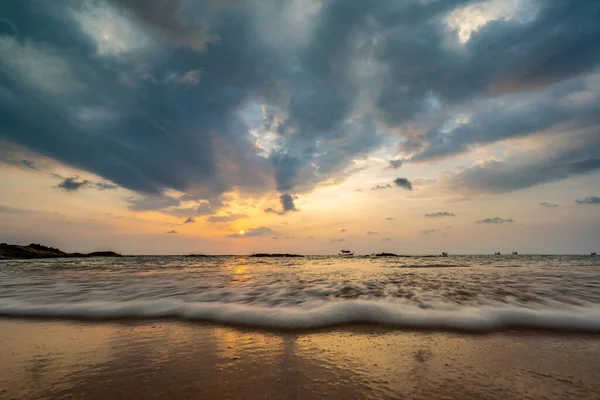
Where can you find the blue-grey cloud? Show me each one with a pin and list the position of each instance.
(73, 184)
(494, 220)
(548, 205)
(287, 205)
(172, 104)
(252, 232)
(395, 164)
(403, 183)
(440, 214)
(588, 200)
(562, 161)
(14, 210)
(379, 187)
(226, 218)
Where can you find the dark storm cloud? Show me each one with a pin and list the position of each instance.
(440, 214)
(262, 231)
(588, 200)
(403, 183)
(364, 66)
(548, 205)
(495, 220)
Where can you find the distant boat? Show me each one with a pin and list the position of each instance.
(444, 254)
(515, 253)
(497, 253)
(346, 253)
(593, 253)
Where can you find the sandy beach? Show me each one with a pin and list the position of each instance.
(167, 359)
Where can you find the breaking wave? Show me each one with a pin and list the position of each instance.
(402, 316)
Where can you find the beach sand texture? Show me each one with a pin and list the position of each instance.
(54, 359)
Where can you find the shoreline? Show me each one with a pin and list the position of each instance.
(129, 359)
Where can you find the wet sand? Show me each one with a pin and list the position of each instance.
(143, 360)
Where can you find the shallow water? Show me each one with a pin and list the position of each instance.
(456, 292)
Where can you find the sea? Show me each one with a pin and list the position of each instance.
(464, 293)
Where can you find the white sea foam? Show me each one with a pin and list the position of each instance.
(470, 319)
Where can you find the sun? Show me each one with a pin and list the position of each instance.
(242, 232)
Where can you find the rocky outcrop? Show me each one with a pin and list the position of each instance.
(34, 250)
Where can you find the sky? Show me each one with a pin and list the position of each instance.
(301, 126)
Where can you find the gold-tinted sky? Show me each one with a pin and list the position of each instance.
(409, 127)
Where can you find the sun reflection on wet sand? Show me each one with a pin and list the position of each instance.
(54, 359)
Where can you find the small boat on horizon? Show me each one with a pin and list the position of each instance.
(346, 253)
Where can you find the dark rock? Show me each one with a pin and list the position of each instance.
(34, 250)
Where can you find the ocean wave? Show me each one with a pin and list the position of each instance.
(402, 316)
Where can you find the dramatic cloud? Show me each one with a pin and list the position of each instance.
(262, 231)
(190, 220)
(440, 214)
(226, 218)
(588, 200)
(172, 231)
(255, 97)
(548, 205)
(403, 183)
(287, 205)
(495, 220)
